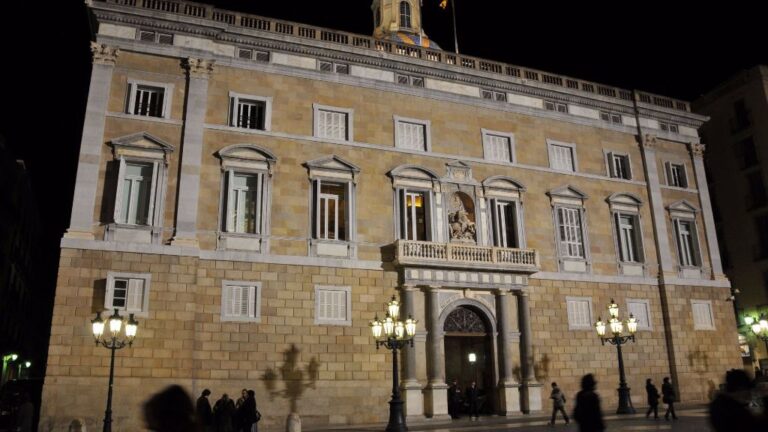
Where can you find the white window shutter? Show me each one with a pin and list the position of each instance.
(118, 216)
(233, 114)
(226, 300)
(251, 301)
(611, 165)
(153, 188)
(668, 170)
(131, 98)
(317, 208)
(258, 205)
(230, 227)
(244, 307)
(402, 217)
(110, 294)
(236, 300)
(135, 301)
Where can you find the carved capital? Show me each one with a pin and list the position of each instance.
(697, 149)
(198, 68)
(649, 142)
(104, 54)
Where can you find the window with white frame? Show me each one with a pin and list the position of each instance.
(504, 220)
(412, 134)
(498, 146)
(676, 175)
(561, 156)
(250, 112)
(245, 201)
(570, 232)
(128, 292)
(495, 95)
(618, 165)
(240, 301)
(415, 212)
(149, 99)
(610, 117)
(579, 313)
(333, 305)
(640, 309)
(332, 218)
(333, 123)
(628, 235)
(405, 14)
(136, 180)
(555, 106)
(687, 242)
(330, 210)
(703, 319)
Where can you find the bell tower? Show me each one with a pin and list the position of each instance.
(393, 17)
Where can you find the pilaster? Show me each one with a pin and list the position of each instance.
(436, 393)
(697, 154)
(509, 388)
(530, 389)
(411, 388)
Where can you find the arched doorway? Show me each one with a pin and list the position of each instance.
(469, 353)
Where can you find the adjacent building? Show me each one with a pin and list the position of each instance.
(256, 190)
(737, 160)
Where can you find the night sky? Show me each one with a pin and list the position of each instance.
(648, 46)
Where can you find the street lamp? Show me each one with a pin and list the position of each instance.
(759, 328)
(616, 338)
(394, 335)
(113, 343)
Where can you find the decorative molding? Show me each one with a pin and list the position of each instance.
(104, 54)
(198, 68)
(697, 149)
(649, 142)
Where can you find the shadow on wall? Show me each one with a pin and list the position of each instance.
(540, 368)
(295, 380)
(698, 361)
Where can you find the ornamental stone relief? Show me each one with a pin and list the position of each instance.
(461, 218)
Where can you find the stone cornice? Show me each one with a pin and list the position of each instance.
(104, 54)
(198, 68)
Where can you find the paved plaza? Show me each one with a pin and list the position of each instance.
(690, 419)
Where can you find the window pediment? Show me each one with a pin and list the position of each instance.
(246, 156)
(502, 186)
(623, 201)
(332, 166)
(141, 145)
(413, 176)
(567, 195)
(682, 209)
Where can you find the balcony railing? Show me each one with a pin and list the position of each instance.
(463, 255)
(238, 19)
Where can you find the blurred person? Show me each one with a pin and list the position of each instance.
(587, 412)
(170, 410)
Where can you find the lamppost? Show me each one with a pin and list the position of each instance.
(759, 328)
(617, 328)
(113, 343)
(394, 335)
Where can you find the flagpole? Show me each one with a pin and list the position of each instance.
(455, 36)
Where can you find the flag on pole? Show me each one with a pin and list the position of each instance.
(443, 4)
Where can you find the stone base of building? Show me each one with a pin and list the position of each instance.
(509, 399)
(414, 401)
(436, 402)
(530, 394)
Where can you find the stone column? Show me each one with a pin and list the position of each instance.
(198, 72)
(84, 201)
(658, 215)
(509, 389)
(530, 389)
(411, 388)
(436, 394)
(697, 153)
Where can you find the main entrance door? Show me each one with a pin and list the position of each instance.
(469, 354)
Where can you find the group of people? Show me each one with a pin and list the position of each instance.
(456, 399)
(171, 410)
(587, 412)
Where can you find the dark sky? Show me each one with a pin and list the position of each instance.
(674, 51)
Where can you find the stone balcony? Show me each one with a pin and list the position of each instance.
(411, 253)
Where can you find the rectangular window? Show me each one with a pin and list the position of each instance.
(339, 68)
(148, 101)
(409, 80)
(498, 148)
(629, 238)
(250, 54)
(333, 305)
(493, 95)
(555, 106)
(136, 193)
(414, 215)
(504, 221)
(687, 243)
(702, 315)
(411, 135)
(240, 301)
(610, 117)
(330, 210)
(676, 175)
(579, 313)
(127, 292)
(618, 165)
(640, 309)
(152, 36)
(245, 196)
(561, 157)
(333, 124)
(570, 232)
(248, 114)
(668, 127)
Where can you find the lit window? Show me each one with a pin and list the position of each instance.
(405, 14)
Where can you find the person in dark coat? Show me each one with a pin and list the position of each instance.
(204, 413)
(587, 411)
(223, 413)
(558, 404)
(653, 399)
(171, 410)
(454, 400)
(247, 413)
(668, 397)
(729, 410)
(25, 414)
(473, 396)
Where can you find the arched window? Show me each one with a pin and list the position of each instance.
(405, 14)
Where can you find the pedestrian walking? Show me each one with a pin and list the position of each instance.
(587, 411)
(558, 404)
(653, 399)
(171, 410)
(473, 397)
(729, 411)
(223, 413)
(668, 397)
(203, 410)
(454, 400)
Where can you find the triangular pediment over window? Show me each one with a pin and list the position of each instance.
(682, 206)
(140, 144)
(413, 176)
(568, 192)
(331, 166)
(246, 156)
(625, 198)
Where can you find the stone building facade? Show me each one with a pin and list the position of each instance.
(256, 191)
(737, 159)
